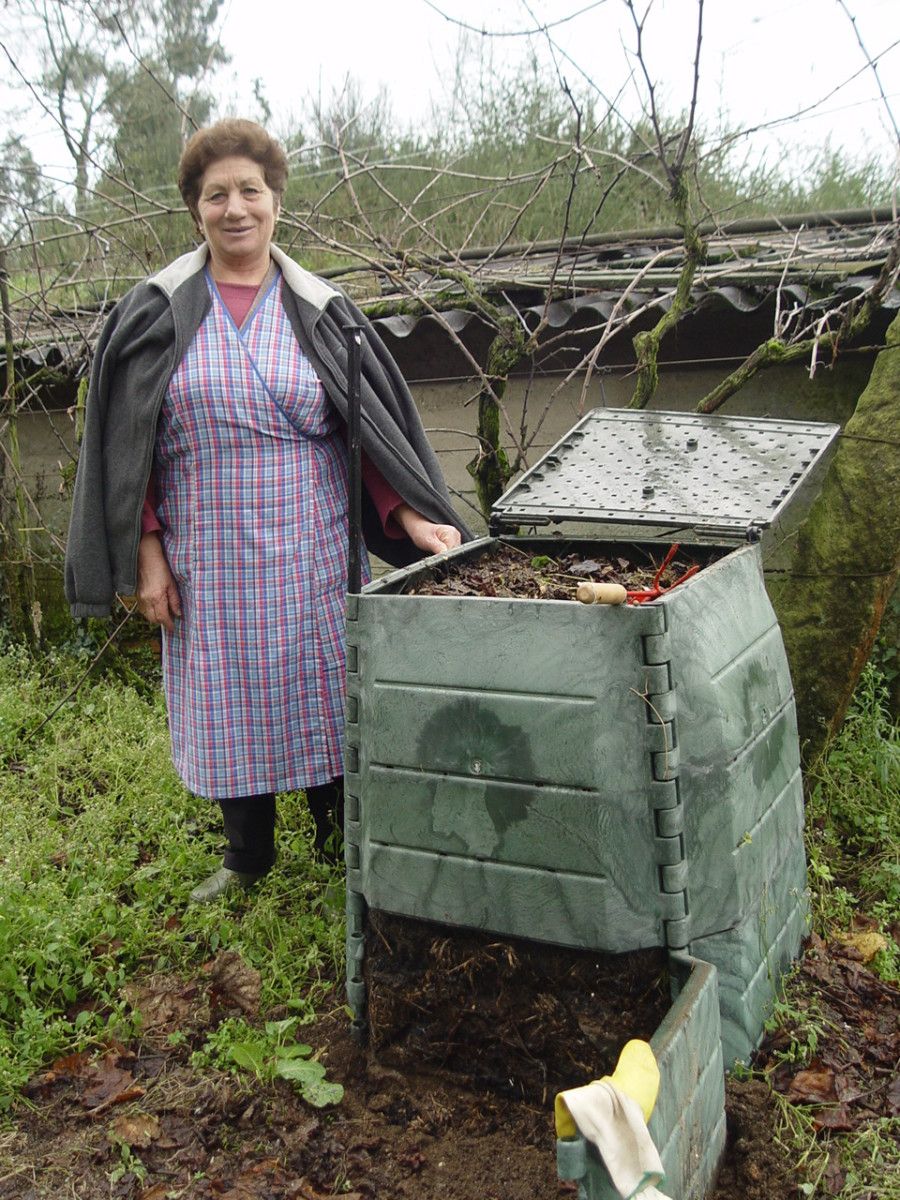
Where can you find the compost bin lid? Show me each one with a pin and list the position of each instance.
(717, 476)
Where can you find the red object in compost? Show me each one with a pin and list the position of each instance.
(656, 589)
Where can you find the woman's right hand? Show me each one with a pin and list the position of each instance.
(157, 592)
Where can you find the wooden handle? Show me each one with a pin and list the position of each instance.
(601, 593)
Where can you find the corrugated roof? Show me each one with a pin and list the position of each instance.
(812, 262)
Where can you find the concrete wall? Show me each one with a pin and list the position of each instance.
(448, 410)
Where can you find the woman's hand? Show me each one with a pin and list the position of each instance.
(157, 592)
(424, 534)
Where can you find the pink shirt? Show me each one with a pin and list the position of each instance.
(238, 299)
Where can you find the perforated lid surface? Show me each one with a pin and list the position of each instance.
(626, 467)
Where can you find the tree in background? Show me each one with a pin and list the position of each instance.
(119, 81)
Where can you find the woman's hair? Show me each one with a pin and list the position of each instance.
(225, 139)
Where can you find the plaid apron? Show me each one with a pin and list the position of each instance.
(251, 474)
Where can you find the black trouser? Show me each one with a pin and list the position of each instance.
(326, 804)
(250, 826)
(250, 830)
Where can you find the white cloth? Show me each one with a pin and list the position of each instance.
(614, 1123)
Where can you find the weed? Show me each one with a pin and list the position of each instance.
(269, 1053)
(805, 1024)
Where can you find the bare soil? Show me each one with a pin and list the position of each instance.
(451, 1105)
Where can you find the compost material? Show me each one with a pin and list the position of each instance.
(515, 1018)
(506, 571)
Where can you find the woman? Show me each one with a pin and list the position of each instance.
(212, 482)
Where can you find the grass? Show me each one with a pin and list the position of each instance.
(853, 820)
(99, 847)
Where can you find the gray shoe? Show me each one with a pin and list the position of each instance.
(222, 881)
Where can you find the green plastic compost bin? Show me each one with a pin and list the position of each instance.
(610, 778)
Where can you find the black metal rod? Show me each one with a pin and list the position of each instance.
(353, 335)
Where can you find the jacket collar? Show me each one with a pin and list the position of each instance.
(303, 283)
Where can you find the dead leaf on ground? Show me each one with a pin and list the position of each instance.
(893, 1097)
(304, 1190)
(138, 1130)
(175, 1133)
(159, 1191)
(235, 981)
(837, 1119)
(835, 1176)
(812, 1086)
(862, 945)
(166, 1003)
(296, 1136)
(110, 1084)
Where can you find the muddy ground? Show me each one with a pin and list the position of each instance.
(422, 1117)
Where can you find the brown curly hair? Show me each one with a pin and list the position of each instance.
(233, 136)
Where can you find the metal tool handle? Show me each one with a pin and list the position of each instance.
(353, 336)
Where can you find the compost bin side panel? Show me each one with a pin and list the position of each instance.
(739, 773)
(753, 957)
(503, 767)
(688, 1122)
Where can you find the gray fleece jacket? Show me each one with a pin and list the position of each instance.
(142, 344)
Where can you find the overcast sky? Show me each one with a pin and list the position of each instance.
(762, 60)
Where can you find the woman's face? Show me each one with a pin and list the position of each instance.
(237, 213)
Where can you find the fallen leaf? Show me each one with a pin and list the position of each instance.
(893, 1097)
(159, 1191)
(111, 947)
(862, 945)
(175, 1133)
(835, 1176)
(110, 1084)
(235, 981)
(837, 1119)
(812, 1086)
(138, 1130)
(861, 920)
(296, 1136)
(587, 567)
(71, 1065)
(165, 1003)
